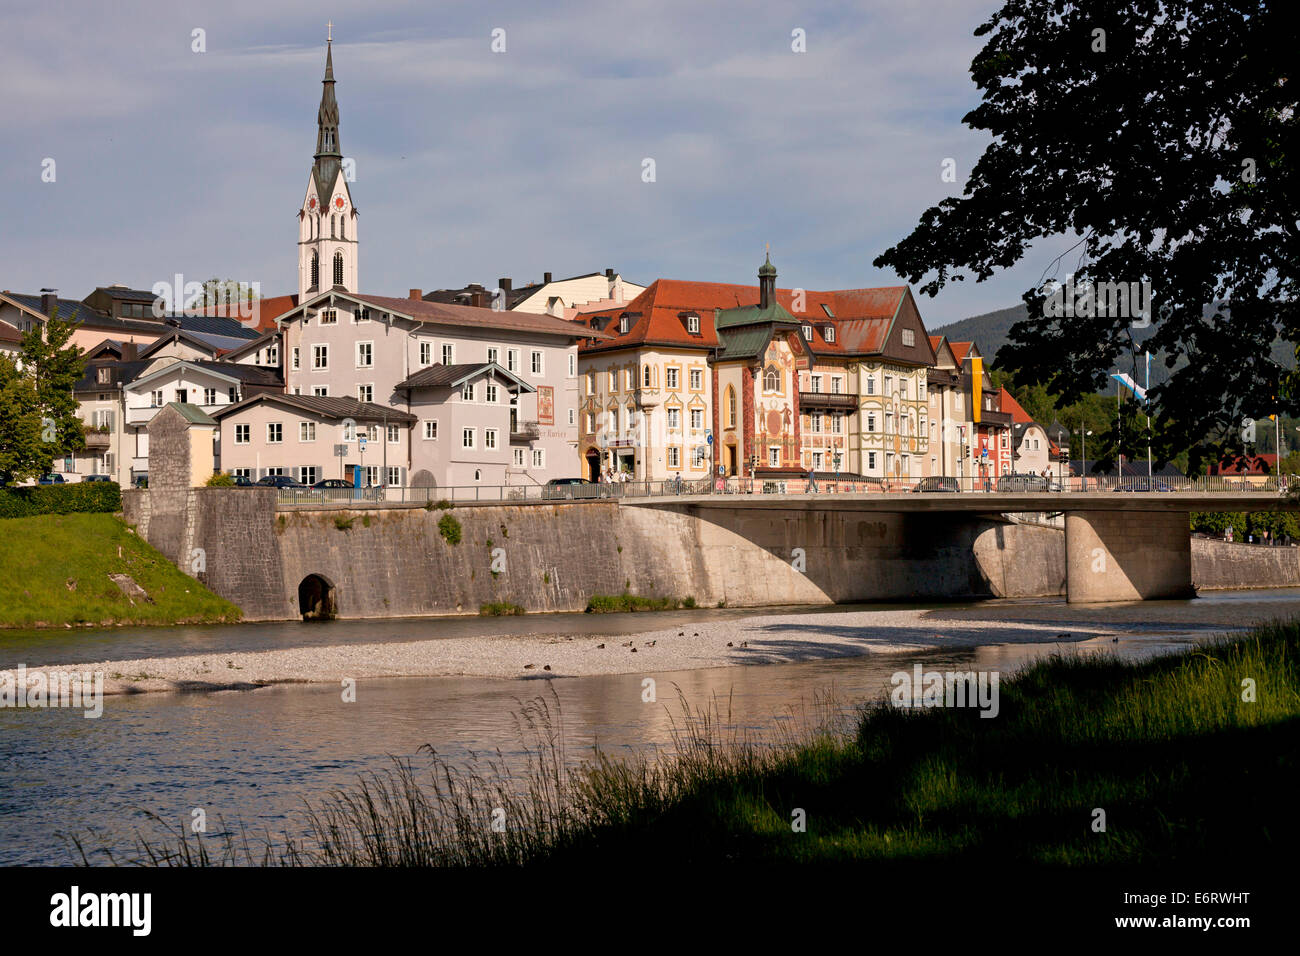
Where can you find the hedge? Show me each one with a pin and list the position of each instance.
(84, 497)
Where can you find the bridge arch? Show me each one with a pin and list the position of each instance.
(317, 598)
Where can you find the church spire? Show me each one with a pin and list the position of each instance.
(328, 156)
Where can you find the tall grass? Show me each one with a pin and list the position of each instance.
(1183, 767)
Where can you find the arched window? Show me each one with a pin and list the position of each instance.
(731, 407)
(771, 381)
(333, 221)
(338, 268)
(315, 271)
(343, 227)
(646, 376)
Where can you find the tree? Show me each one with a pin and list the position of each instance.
(21, 448)
(38, 408)
(1159, 133)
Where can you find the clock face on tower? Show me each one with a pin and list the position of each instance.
(338, 204)
(312, 204)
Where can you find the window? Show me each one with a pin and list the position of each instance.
(835, 384)
(308, 474)
(613, 419)
(365, 393)
(272, 355)
(645, 377)
(241, 472)
(697, 419)
(329, 316)
(908, 337)
(837, 424)
(306, 431)
(774, 456)
(241, 434)
(338, 268)
(519, 457)
(492, 392)
(156, 399)
(274, 433)
(320, 357)
(394, 475)
(209, 396)
(816, 421)
(536, 361)
(629, 379)
(372, 433)
(539, 458)
(315, 271)
(889, 384)
(871, 385)
(697, 379)
(467, 392)
(104, 375)
(512, 360)
(817, 460)
(591, 422)
(674, 457)
(674, 420)
(493, 351)
(807, 332)
(426, 353)
(731, 407)
(234, 394)
(693, 324)
(365, 355)
(448, 353)
(902, 388)
(889, 423)
(320, 391)
(490, 438)
(613, 380)
(275, 471)
(573, 416)
(372, 474)
(672, 378)
(871, 460)
(591, 383)
(467, 438)
(871, 421)
(431, 430)
(182, 395)
(349, 431)
(295, 357)
(622, 325)
(771, 382)
(828, 333)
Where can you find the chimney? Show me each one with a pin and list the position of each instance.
(129, 351)
(417, 295)
(609, 273)
(546, 278)
(478, 299)
(504, 284)
(49, 300)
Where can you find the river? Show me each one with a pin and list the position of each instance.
(255, 756)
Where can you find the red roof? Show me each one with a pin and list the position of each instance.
(469, 315)
(267, 311)
(9, 334)
(1256, 465)
(959, 350)
(1009, 404)
(861, 316)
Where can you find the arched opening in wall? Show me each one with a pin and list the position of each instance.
(316, 599)
(593, 465)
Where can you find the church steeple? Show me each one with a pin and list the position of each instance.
(328, 155)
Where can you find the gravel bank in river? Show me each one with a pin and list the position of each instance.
(753, 640)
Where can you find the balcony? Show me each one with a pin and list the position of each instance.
(990, 417)
(97, 440)
(522, 432)
(832, 400)
(647, 397)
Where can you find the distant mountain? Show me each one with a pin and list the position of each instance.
(992, 330)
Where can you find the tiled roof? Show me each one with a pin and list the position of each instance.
(660, 305)
(9, 334)
(119, 373)
(1009, 404)
(336, 408)
(449, 376)
(268, 309)
(443, 313)
(72, 310)
(126, 295)
(959, 350)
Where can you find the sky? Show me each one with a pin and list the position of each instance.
(473, 164)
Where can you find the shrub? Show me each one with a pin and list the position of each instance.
(221, 480)
(87, 497)
(614, 603)
(500, 609)
(342, 523)
(449, 528)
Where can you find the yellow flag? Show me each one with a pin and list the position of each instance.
(977, 387)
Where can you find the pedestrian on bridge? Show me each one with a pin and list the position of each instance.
(812, 482)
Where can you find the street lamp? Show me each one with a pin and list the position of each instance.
(1084, 469)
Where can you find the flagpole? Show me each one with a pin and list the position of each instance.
(1147, 400)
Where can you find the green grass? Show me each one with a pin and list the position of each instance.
(500, 609)
(1186, 771)
(614, 603)
(54, 570)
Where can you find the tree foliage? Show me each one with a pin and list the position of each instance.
(38, 408)
(1159, 134)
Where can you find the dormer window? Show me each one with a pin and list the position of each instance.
(693, 324)
(828, 333)
(808, 332)
(622, 325)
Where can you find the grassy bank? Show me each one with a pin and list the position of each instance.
(1185, 770)
(620, 603)
(54, 570)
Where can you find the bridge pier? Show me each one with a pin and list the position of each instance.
(1127, 556)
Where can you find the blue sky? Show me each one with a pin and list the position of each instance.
(473, 165)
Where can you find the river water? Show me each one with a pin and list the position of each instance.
(255, 756)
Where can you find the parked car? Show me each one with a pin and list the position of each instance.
(570, 488)
(242, 481)
(279, 481)
(1143, 484)
(98, 478)
(1019, 483)
(937, 483)
(326, 483)
(53, 478)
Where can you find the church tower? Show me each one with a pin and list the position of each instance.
(327, 221)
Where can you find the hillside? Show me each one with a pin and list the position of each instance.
(64, 569)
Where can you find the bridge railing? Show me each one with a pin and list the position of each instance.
(821, 485)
